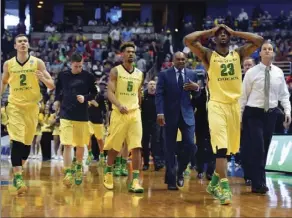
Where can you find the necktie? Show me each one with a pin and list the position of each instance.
(180, 81)
(267, 89)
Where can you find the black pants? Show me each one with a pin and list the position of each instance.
(258, 128)
(245, 158)
(205, 154)
(46, 145)
(151, 130)
(94, 147)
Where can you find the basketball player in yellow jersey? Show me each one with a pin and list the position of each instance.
(224, 84)
(124, 92)
(23, 74)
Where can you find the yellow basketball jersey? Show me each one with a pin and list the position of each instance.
(224, 77)
(23, 83)
(128, 87)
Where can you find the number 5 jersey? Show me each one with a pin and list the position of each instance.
(128, 87)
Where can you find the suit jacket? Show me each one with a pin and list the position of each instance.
(168, 100)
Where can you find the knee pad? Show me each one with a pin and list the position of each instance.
(221, 153)
(16, 153)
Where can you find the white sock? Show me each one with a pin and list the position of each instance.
(67, 154)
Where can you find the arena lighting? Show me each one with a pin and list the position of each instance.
(39, 6)
(41, 2)
(176, 30)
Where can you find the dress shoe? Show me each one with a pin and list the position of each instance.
(209, 177)
(266, 188)
(248, 182)
(180, 181)
(157, 167)
(145, 167)
(259, 190)
(172, 187)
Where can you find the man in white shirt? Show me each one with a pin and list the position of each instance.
(263, 87)
(51, 28)
(244, 155)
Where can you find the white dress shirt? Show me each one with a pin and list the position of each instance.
(177, 73)
(253, 88)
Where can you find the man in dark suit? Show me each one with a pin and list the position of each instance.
(174, 110)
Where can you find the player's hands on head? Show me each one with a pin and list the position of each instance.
(80, 99)
(214, 29)
(123, 109)
(231, 31)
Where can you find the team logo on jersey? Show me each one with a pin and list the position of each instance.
(31, 62)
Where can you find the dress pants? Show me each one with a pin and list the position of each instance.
(258, 129)
(151, 130)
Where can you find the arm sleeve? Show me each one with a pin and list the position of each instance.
(92, 89)
(246, 90)
(159, 98)
(58, 91)
(284, 97)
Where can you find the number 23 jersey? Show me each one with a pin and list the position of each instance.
(128, 87)
(224, 77)
(24, 85)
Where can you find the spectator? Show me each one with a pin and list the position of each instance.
(80, 48)
(92, 23)
(80, 37)
(242, 16)
(50, 28)
(243, 20)
(229, 20)
(281, 20)
(126, 35)
(141, 64)
(21, 28)
(115, 35)
(233, 45)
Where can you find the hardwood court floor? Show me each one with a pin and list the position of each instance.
(47, 197)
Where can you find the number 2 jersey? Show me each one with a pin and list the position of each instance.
(224, 77)
(23, 83)
(127, 87)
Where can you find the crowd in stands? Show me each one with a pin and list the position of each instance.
(154, 51)
(276, 29)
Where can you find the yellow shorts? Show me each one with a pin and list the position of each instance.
(75, 133)
(224, 124)
(124, 128)
(97, 130)
(56, 130)
(22, 122)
